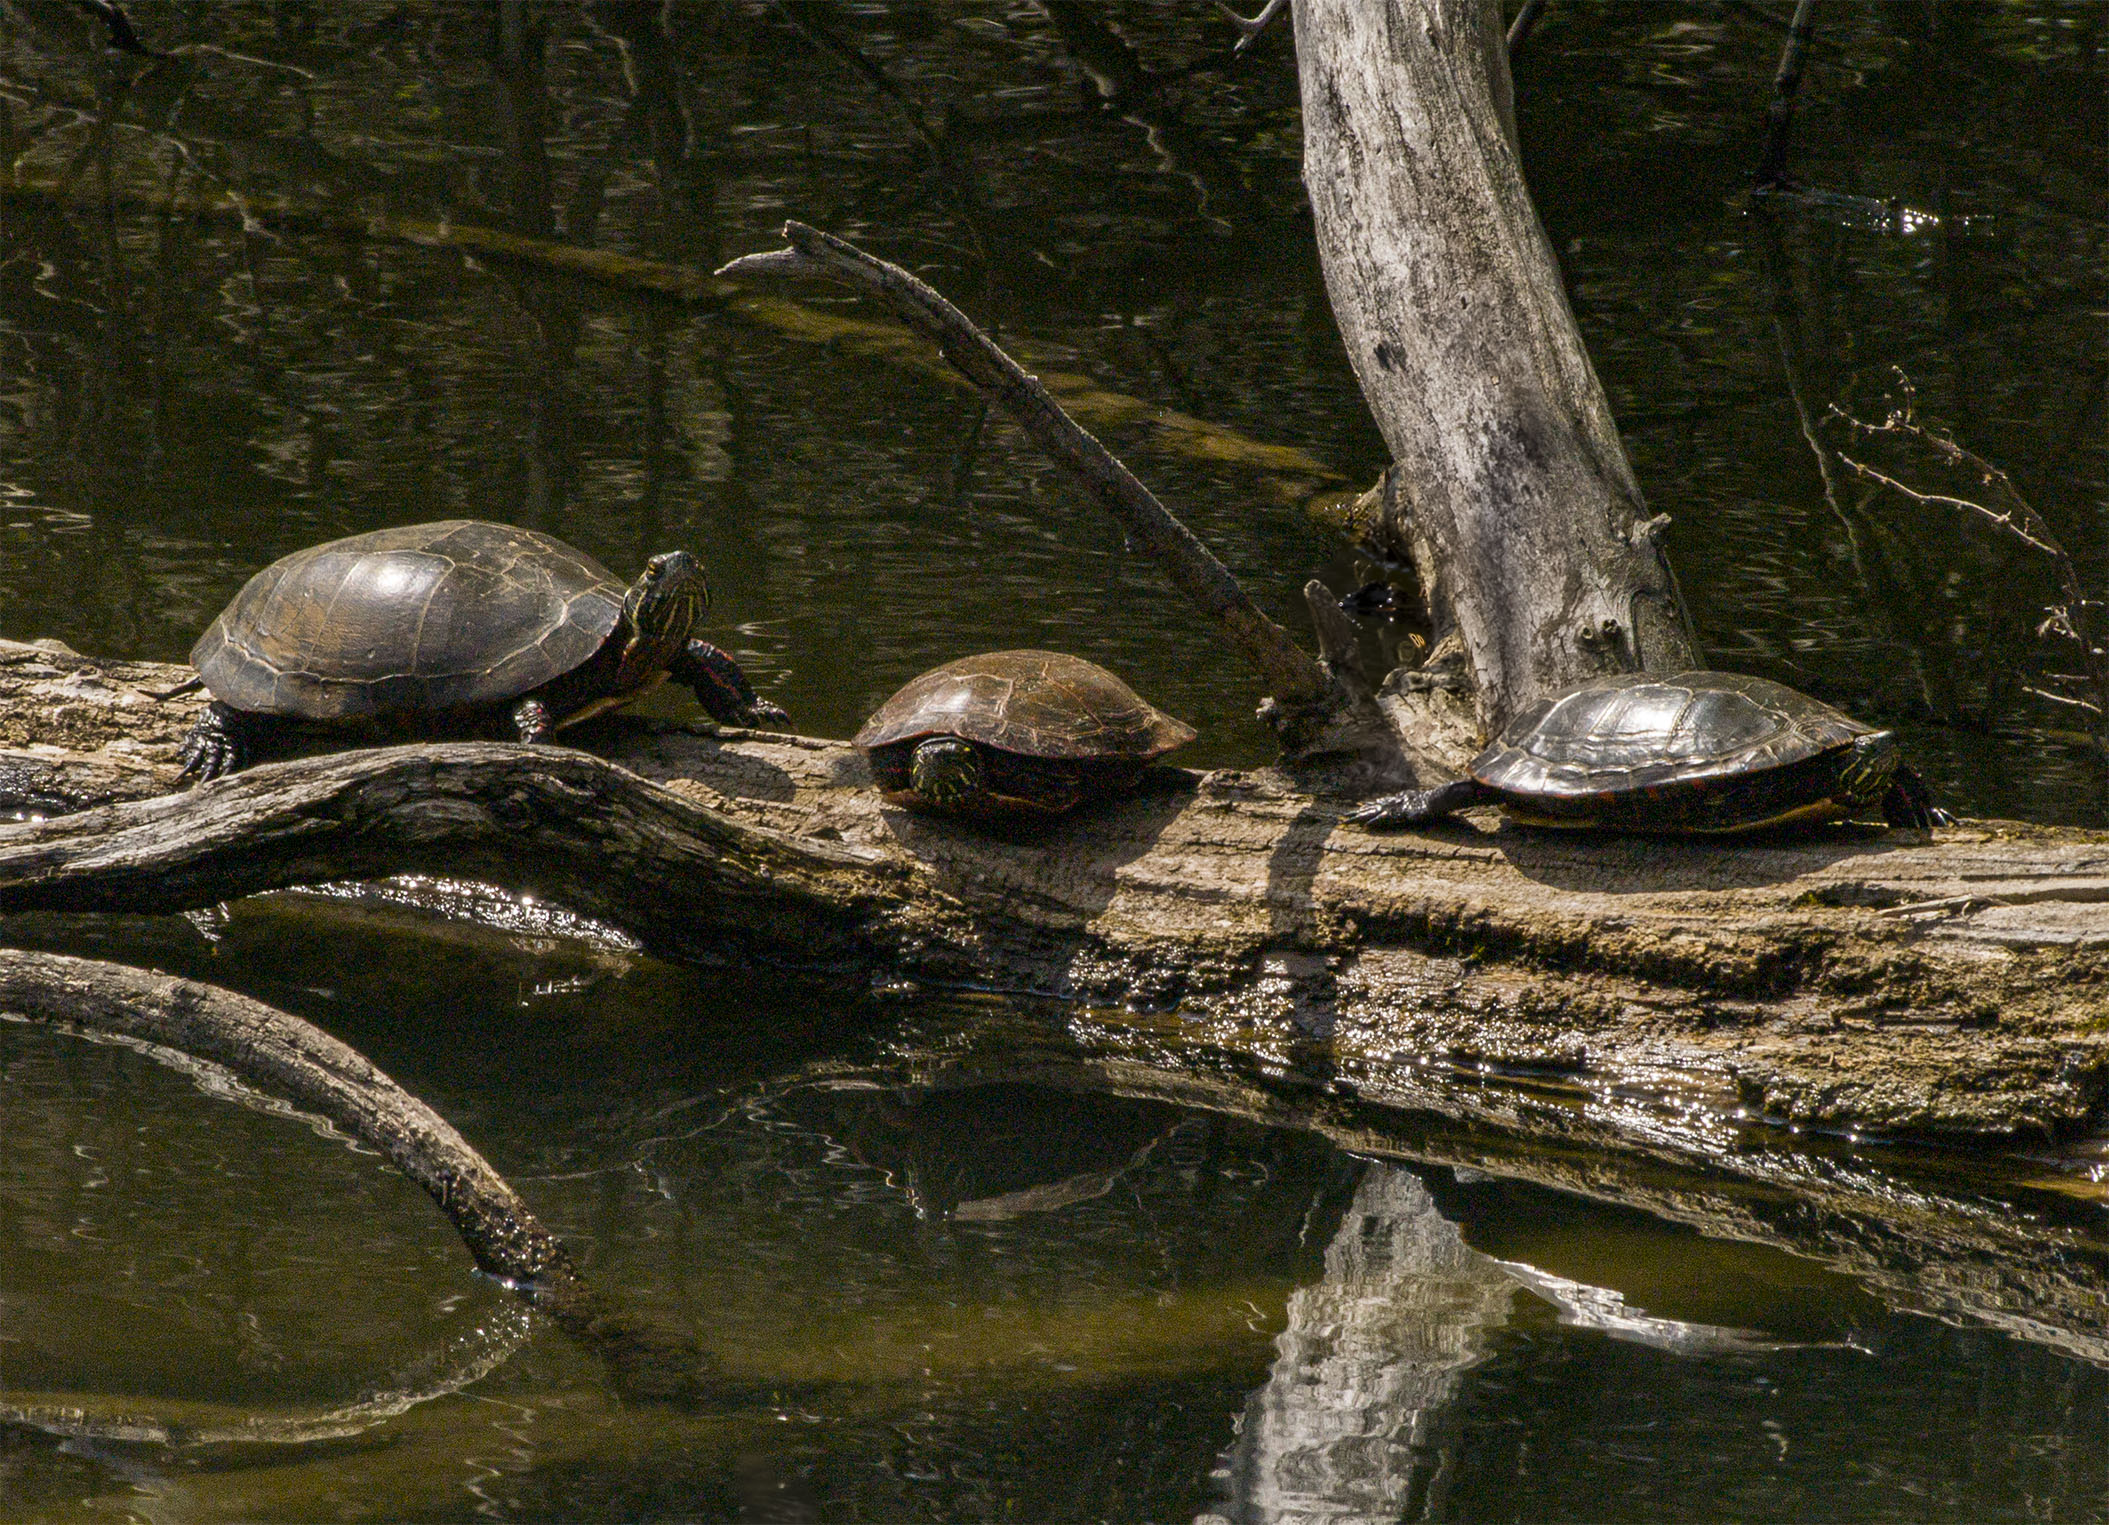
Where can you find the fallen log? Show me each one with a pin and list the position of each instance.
(1851, 979)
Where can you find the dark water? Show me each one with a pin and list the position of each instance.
(229, 326)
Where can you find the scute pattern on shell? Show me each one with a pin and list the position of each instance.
(420, 617)
(1638, 732)
(1035, 703)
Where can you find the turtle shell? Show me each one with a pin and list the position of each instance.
(1651, 742)
(1034, 703)
(422, 617)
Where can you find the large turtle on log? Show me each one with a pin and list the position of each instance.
(450, 628)
(1014, 733)
(1697, 752)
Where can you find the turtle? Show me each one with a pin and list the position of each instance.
(1688, 753)
(1014, 733)
(456, 627)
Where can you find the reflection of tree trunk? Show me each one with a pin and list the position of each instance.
(519, 38)
(1344, 1429)
(1885, 580)
(685, 230)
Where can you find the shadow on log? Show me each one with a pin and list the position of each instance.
(1848, 978)
(286, 1057)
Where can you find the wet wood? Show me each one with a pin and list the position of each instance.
(287, 1058)
(1852, 979)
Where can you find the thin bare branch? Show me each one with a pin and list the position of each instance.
(1520, 28)
(1290, 673)
(1251, 28)
(2057, 698)
(2003, 520)
(2019, 520)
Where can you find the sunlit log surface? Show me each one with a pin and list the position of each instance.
(1852, 979)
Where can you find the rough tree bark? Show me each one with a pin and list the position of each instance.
(1224, 923)
(1851, 979)
(1509, 488)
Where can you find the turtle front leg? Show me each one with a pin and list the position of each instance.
(1910, 803)
(721, 688)
(1417, 807)
(218, 743)
(534, 722)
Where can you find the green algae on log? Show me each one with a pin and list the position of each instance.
(1850, 978)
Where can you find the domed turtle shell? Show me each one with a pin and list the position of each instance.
(1640, 733)
(421, 617)
(1697, 752)
(1035, 703)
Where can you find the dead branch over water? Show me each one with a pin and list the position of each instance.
(288, 1058)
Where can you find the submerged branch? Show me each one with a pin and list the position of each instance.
(286, 1057)
(1786, 85)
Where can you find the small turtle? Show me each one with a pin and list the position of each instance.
(1012, 733)
(457, 627)
(1697, 752)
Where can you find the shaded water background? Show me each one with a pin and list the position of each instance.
(1013, 1302)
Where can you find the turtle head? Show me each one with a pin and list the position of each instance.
(664, 604)
(1870, 764)
(946, 772)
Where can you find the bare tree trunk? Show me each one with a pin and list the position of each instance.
(1509, 483)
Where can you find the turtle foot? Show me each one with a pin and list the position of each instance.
(1910, 803)
(215, 745)
(1417, 807)
(1394, 812)
(722, 689)
(764, 715)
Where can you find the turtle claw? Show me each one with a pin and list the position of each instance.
(722, 689)
(1910, 803)
(1417, 807)
(215, 746)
